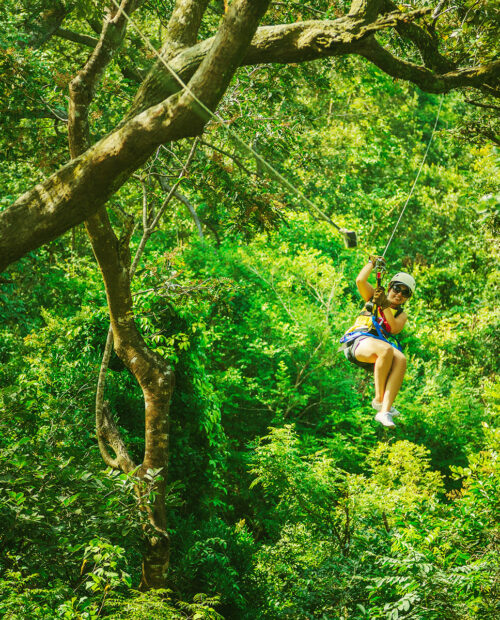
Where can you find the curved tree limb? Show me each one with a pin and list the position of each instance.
(424, 39)
(314, 39)
(101, 417)
(152, 372)
(76, 37)
(484, 77)
(107, 432)
(82, 88)
(45, 20)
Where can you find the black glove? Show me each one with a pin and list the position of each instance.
(380, 299)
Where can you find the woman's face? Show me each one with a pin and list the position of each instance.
(399, 297)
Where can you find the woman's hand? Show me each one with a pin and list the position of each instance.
(380, 299)
(365, 289)
(377, 261)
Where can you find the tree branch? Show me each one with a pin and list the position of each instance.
(182, 32)
(368, 10)
(131, 73)
(183, 26)
(82, 87)
(106, 429)
(100, 415)
(424, 40)
(190, 207)
(45, 21)
(78, 189)
(299, 5)
(488, 106)
(150, 226)
(76, 37)
(100, 232)
(437, 12)
(284, 43)
(482, 77)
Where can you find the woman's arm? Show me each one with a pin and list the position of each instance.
(396, 323)
(365, 289)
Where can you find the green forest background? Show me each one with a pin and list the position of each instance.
(286, 500)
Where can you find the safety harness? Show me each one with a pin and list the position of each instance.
(381, 334)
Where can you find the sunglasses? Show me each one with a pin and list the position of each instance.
(398, 288)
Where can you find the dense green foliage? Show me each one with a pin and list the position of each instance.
(286, 501)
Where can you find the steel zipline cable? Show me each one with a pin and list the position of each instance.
(416, 179)
(349, 236)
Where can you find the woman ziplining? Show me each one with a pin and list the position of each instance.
(367, 344)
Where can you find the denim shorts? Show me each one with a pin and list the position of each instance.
(350, 351)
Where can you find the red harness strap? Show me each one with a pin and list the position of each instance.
(383, 322)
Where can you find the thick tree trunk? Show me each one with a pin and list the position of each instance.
(153, 373)
(156, 379)
(155, 563)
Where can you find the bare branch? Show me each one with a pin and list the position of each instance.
(437, 12)
(190, 207)
(106, 430)
(99, 403)
(76, 37)
(236, 160)
(83, 86)
(131, 73)
(149, 227)
(49, 112)
(109, 432)
(488, 106)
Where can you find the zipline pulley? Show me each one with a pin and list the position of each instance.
(370, 306)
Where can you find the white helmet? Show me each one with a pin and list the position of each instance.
(403, 278)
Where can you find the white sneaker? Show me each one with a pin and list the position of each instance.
(378, 406)
(385, 418)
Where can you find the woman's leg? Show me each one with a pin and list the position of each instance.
(380, 353)
(394, 380)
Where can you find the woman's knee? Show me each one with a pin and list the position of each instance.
(385, 351)
(399, 359)
(370, 350)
